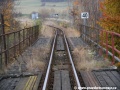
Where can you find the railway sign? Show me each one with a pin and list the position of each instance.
(84, 15)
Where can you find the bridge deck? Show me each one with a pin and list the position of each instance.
(60, 44)
(102, 78)
(111, 78)
(21, 83)
(89, 79)
(61, 80)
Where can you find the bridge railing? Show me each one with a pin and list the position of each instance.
(103, 40)
(111, 41)
(12, 44)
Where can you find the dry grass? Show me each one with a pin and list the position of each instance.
(37, 59)
(34, 59)
(84, 60)
(71, 32)
(51, 23)
(47, 31)
(35, 65)
(84, 57)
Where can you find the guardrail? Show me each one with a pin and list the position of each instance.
(12, 44)
(103, 39)
(108, 41)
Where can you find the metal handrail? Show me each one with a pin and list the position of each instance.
(102, 42)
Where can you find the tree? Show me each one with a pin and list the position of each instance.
(75, 11)
(91, 6)
(110, 19)
(7, 9)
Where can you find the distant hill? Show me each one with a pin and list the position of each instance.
(53, 0)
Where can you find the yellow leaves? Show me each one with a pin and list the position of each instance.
(110, 20)
(111, 15)
(75, 10)
(110, 8)
(7, 24)
(7, 11)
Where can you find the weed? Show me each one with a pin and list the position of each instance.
(84, 60)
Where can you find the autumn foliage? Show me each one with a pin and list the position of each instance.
(91, 6)
(103, 14)
(7, 9)
(75, 12)
(110, 19)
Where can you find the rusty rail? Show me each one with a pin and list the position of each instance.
(12, 44)
(108, 41)
(100, 39)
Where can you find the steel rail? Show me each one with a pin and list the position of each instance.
(73, 66)
(49, 66)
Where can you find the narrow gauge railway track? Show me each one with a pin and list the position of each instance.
(61, 73)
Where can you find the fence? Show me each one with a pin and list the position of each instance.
(104, 40)
(90, 34)
(12, 44)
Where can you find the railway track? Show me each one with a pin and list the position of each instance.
(61, 73)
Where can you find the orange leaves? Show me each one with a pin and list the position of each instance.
(75, 10)
(110, 15)
(110, 19)
(7, 11)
